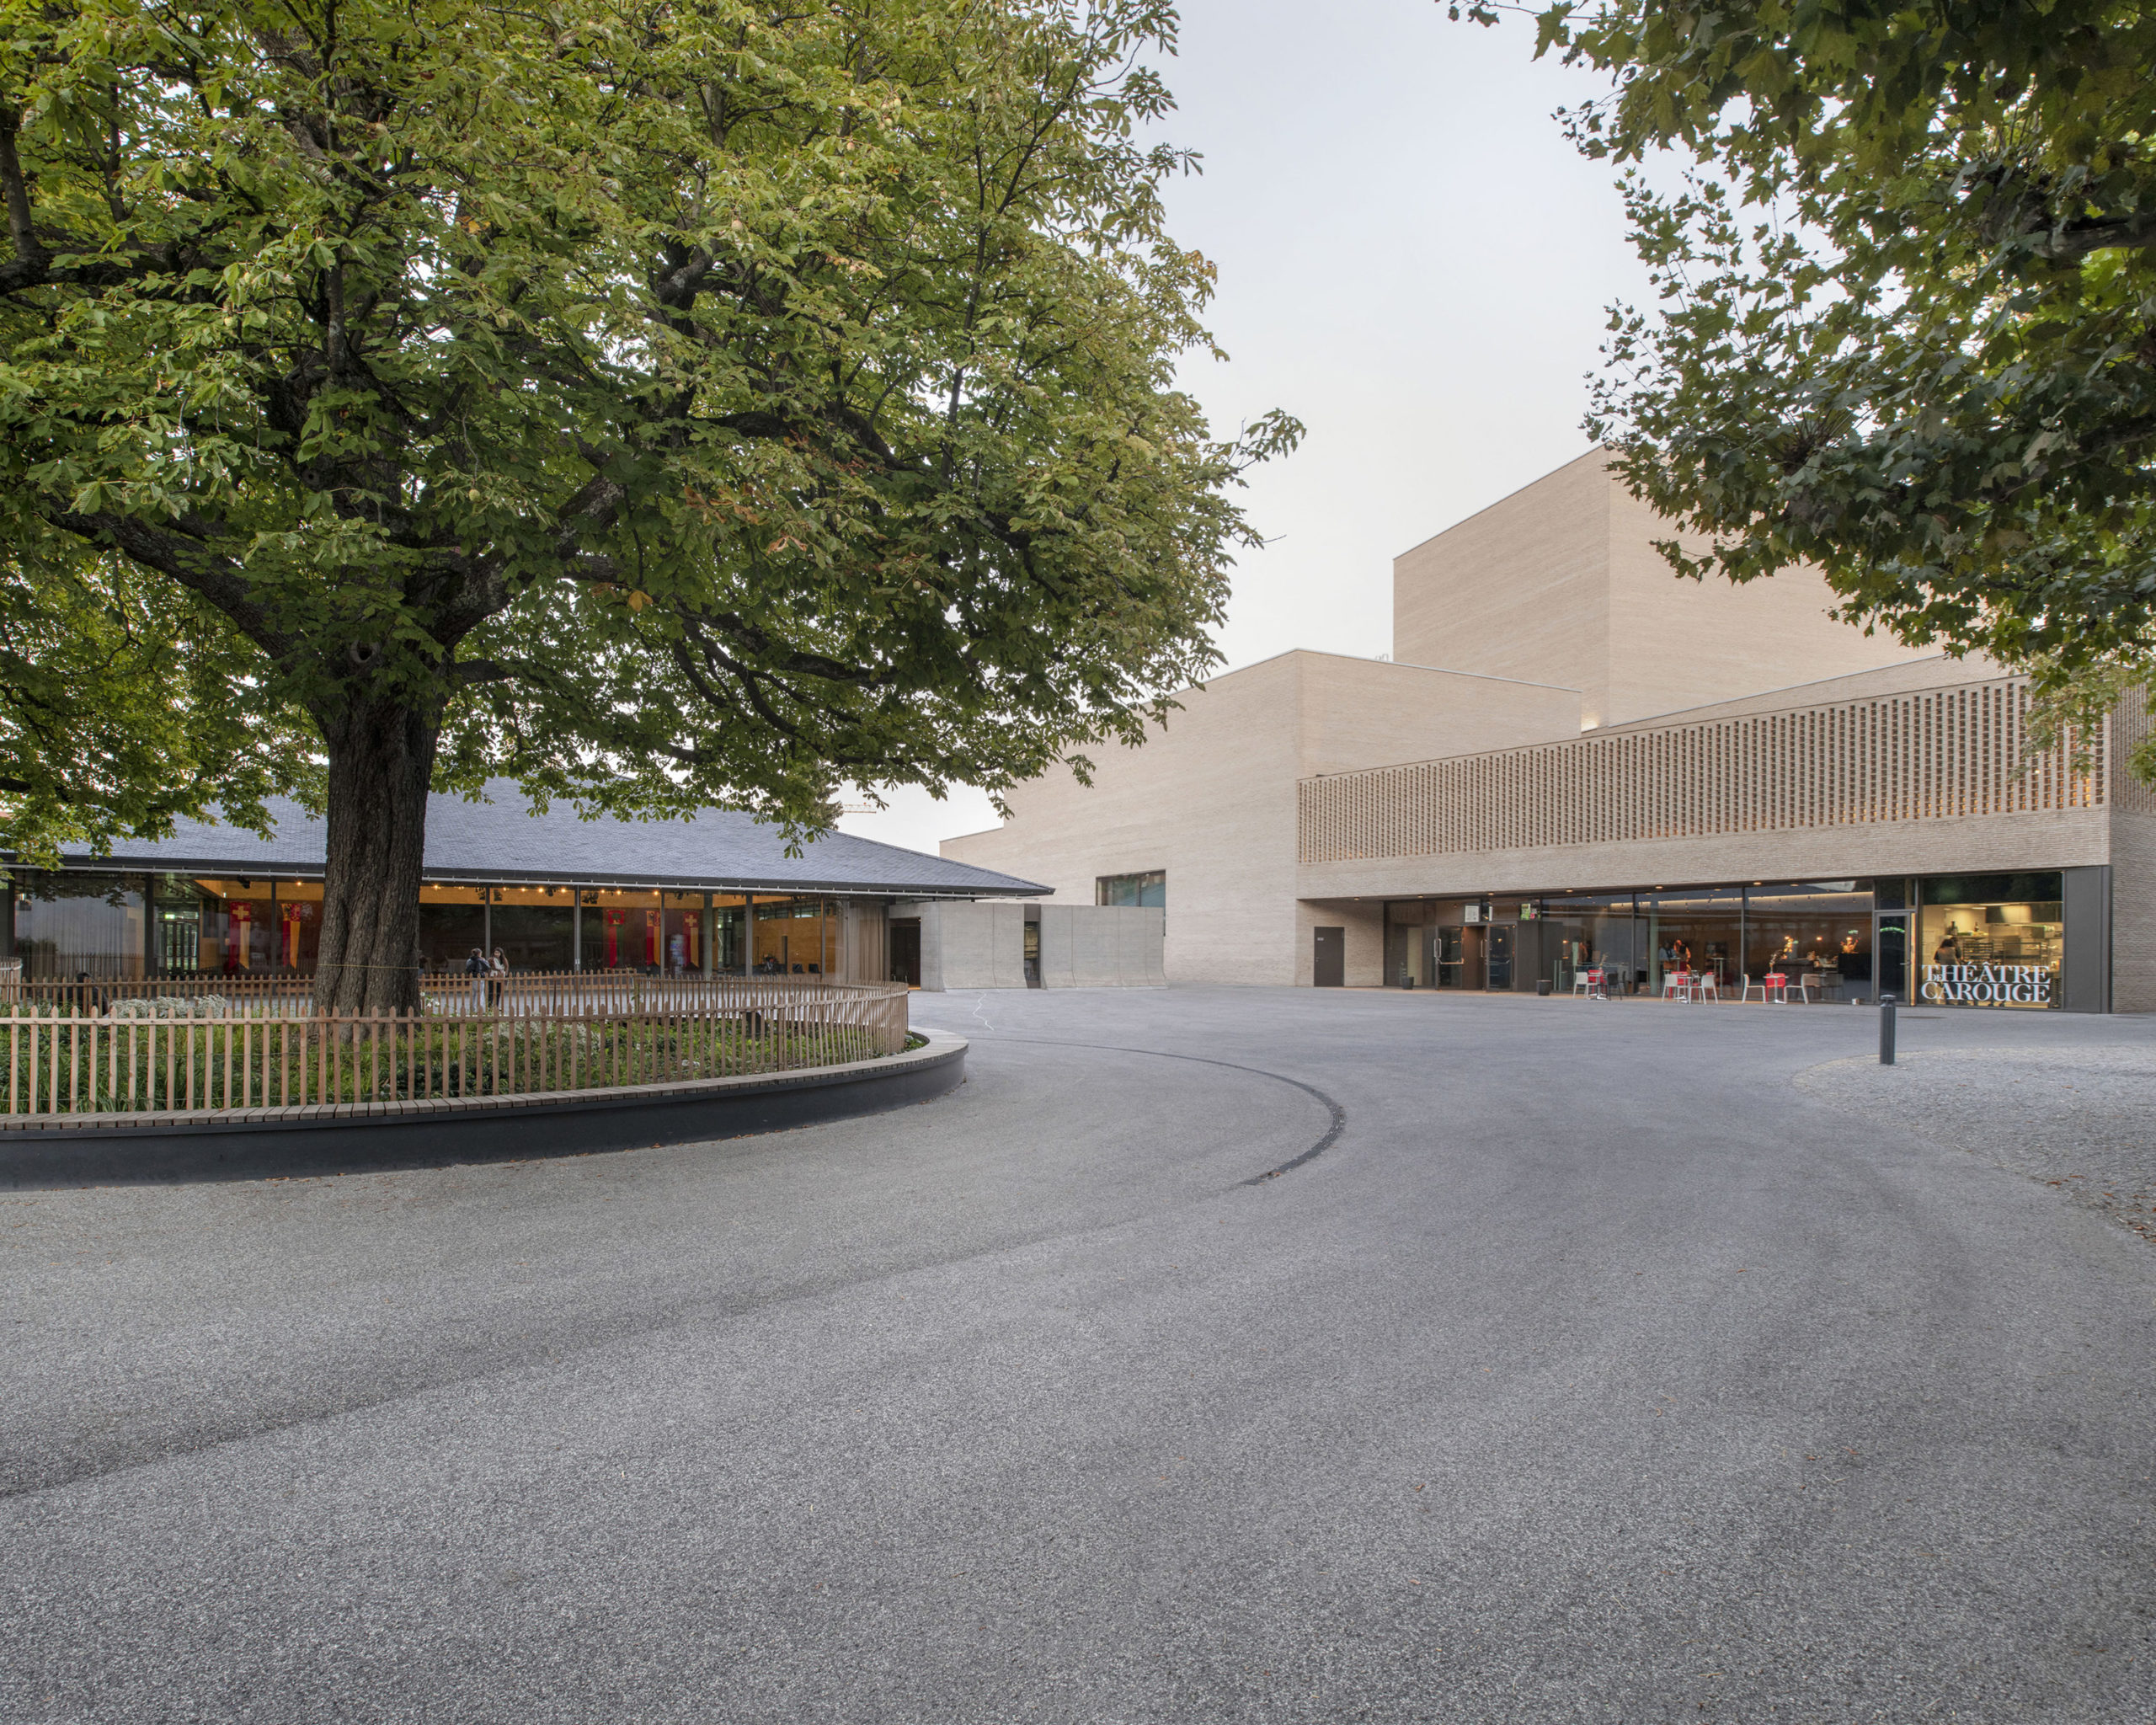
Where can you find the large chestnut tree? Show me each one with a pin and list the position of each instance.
(659, 403)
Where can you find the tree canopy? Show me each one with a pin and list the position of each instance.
(123, 705)
(659, 403)
(1907, 328)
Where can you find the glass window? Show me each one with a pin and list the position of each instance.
(729, 934)
(295, 941)
(1820, 929)
(623, 930)
(239, 922)
(1695, 931)
(1598, 930)
(1991, 940)
(452, 921)
(1148, 888)
(796, 937)
(70, 923)
(534, 936)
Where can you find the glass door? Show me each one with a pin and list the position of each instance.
(1890, 957)
(1450, 961)
(179, 939)
(1501, 956)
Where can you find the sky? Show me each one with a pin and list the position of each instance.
(1413, 261)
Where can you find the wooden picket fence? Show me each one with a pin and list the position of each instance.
(136, 1055)
(545, 990)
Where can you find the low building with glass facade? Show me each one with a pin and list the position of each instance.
(1577, 763)
(714, 895)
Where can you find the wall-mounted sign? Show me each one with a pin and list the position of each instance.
(1529, 911)
(1988, 984)
(1473, 913)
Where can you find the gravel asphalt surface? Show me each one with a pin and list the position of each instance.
(1610, 1362)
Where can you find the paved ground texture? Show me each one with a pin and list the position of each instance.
(1611, 1362)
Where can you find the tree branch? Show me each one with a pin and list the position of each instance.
(19, 230)
(215, 578)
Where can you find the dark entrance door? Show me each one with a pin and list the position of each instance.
(1501, 955)
(1460, 958)
(1329, 958)
(1468, 954)
(906, 950)
(1032, 955)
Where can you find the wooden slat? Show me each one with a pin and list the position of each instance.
(573, 1034)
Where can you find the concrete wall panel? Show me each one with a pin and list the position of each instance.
(1058, 952)
(966, 945)
(1082, 946)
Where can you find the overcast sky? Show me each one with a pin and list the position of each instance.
(1413, 261)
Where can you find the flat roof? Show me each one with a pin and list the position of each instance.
(502, 842)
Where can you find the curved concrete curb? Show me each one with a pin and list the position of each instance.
(442, 1133)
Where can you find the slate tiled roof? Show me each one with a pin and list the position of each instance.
(501, 840)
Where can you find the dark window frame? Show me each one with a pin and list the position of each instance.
(1139, 883)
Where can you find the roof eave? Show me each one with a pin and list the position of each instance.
(276, 868)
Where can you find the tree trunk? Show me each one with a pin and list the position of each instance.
(381, 759)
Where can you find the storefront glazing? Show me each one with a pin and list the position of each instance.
(1975, 940)
(128, 926)
(1991, 940)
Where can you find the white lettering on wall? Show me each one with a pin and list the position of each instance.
(1988, 984)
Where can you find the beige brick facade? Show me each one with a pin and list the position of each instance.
(1566, 715)
(1211, 797)
(1560, 582)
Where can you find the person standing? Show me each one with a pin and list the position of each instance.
(497, 973)
(475, 967)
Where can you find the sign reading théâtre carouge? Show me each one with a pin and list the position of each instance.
(1988, 984)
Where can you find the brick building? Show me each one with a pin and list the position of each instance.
(1576, 762)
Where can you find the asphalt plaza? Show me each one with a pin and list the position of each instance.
(1605, 1362)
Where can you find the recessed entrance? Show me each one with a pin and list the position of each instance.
(1460, 957)
(906, 950)
(1501, 957)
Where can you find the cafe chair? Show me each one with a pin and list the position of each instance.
(1676, 984)
(1589, 985)
(1707, 987)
